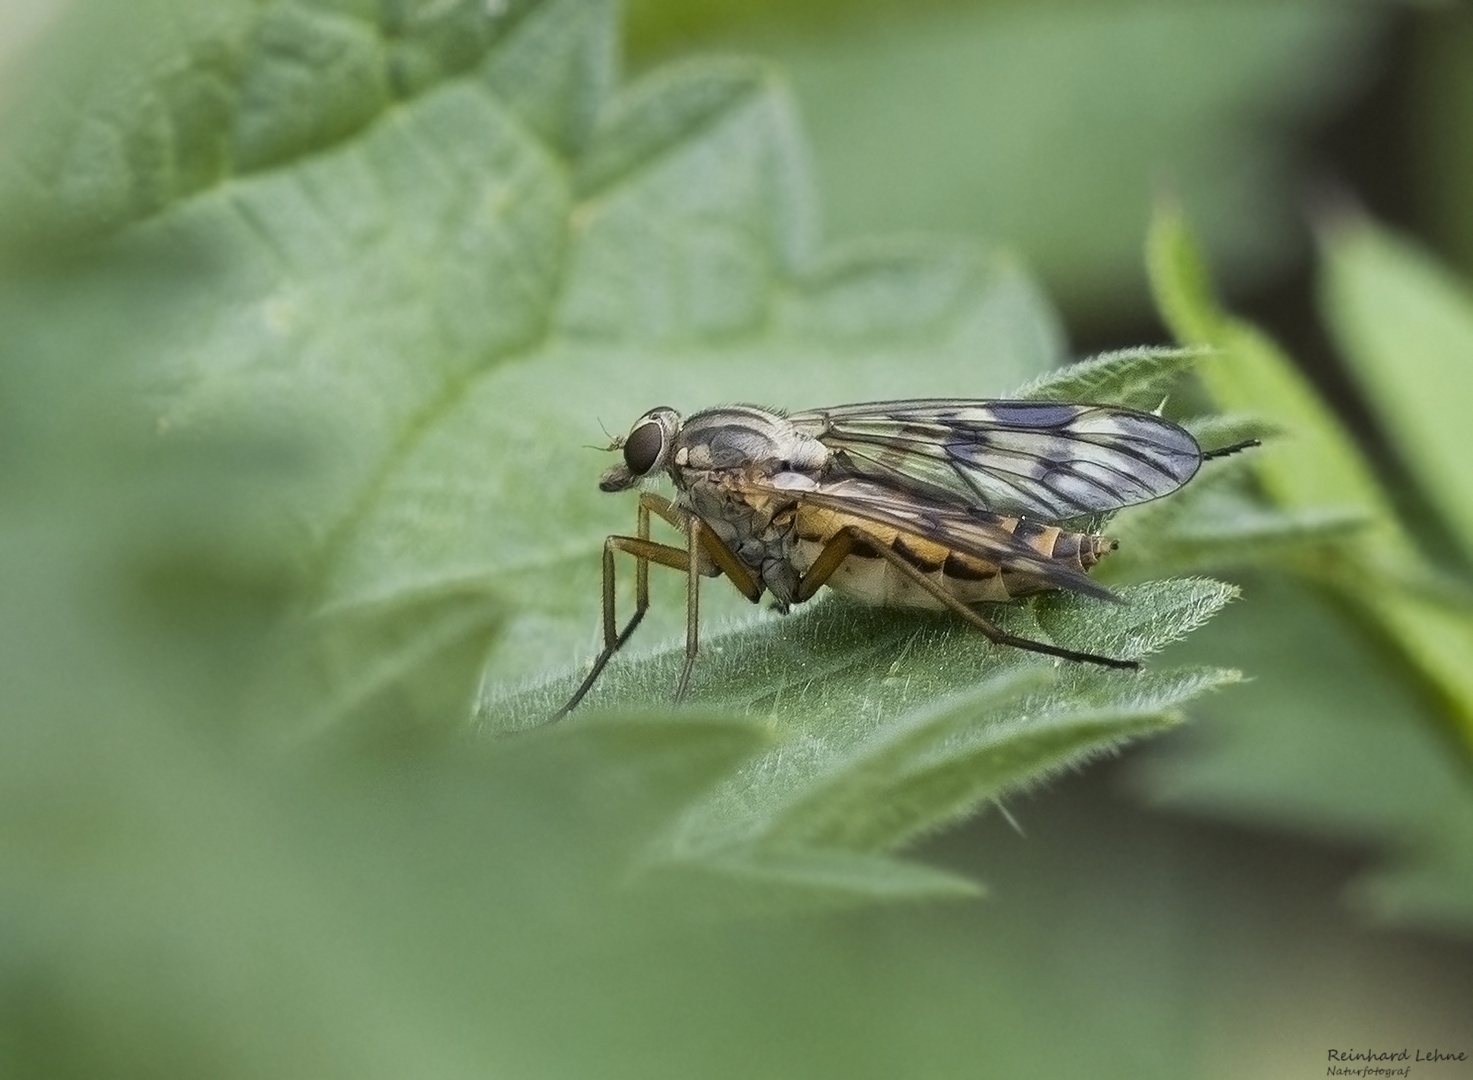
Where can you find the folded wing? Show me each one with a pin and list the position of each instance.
(1042, 459)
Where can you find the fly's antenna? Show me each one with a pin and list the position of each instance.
(1246, 444)
(615, 441)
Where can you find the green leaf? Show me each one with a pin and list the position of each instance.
(1220, 521)
(407, 666)
(1246, 372)
(1319, 466)
(932, 769)
(1140, 378)
(1330, 739)
(1406, 327)
(784, 881)
(892, 724)
(163, 102)
(1420, 617)
(625, 777)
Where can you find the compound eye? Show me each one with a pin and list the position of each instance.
(642, 448)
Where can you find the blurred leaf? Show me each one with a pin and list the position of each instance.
(1324, 741)
(1405, 325)
(1244, 371)
(1373, 571)
(405, 667)
(1046, 127)
(22, 24)
(1321, 467)
(1220, 521)
(750, 881)
(1229, 531)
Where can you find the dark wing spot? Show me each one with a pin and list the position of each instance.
(1042, 414)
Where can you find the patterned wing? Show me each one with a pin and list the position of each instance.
(979, 533)
(1038, 458)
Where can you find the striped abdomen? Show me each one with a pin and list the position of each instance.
(866, 576)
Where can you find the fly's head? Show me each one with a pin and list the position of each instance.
(647, 449)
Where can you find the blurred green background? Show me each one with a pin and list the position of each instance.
(245, 827)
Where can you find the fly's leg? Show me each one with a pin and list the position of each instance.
(703, 548)
(842, 545)
(644, 551)
(694, 536)
(704, 554)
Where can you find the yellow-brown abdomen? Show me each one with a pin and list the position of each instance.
(868, 577)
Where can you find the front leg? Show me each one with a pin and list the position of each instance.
(704, 554)
(645, 551)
